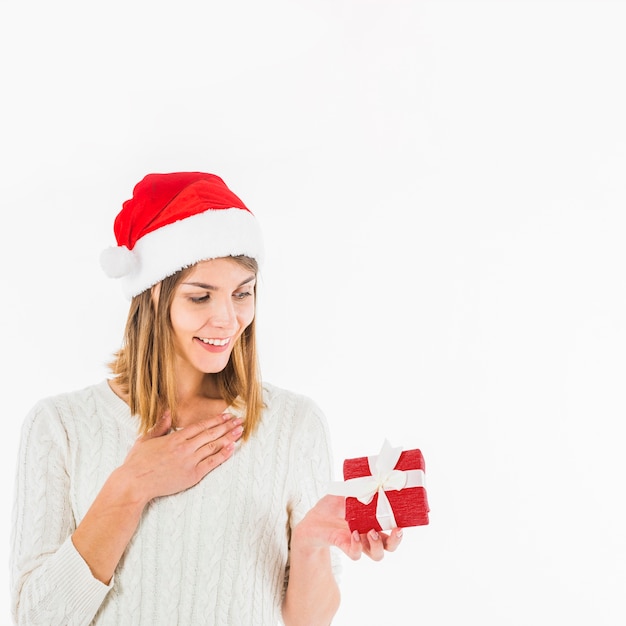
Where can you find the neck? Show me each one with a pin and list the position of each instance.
(197, 387)
(198, 398)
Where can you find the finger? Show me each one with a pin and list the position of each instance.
(391, 542)
(210, 441)
(221, 423)
(353, 547)
(212, 427)
(215, 446)
(373, 542)
(356, 545)
(210, 462)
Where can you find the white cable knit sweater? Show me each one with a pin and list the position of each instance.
(214, 554)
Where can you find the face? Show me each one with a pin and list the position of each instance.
(211, 308)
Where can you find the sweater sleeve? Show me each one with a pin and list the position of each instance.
(50, 582)
(311, 464)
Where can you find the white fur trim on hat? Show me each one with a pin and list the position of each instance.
(163, 252)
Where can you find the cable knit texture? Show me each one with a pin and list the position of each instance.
(214, 554)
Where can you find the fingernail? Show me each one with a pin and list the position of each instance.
(374, 535)
(399, 533)
(226, 416)
(237, 431)
(356, 536)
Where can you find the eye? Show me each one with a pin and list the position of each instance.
(242, 295)
(199, 299)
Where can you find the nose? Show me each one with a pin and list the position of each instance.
(222, 313)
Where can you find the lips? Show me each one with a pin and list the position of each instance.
(213, 344)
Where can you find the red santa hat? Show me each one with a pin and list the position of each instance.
(172, 222)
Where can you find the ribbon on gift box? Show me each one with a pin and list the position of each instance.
(383, 478)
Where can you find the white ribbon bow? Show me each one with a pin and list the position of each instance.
(383, 478)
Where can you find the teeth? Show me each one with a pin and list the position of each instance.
(214, 342)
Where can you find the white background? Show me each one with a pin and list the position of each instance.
(442, 190)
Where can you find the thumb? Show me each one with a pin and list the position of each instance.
(332, 506)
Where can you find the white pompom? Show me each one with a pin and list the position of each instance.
(117, 261)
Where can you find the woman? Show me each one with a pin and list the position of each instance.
(215, 513)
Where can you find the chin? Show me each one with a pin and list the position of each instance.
(215, 367)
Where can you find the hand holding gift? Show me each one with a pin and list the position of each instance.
(385, 491)
(325, 525)
(380, 493)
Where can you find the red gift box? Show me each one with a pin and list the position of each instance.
(385, 491)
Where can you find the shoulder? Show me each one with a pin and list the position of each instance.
(64, 404)
(295, 410)
(304, 430)
(290, 403)
(58, 415)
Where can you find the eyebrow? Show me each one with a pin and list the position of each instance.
(212, 288)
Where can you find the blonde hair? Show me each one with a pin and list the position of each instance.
(143, 367)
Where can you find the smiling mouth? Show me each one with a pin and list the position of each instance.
(214, 342)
